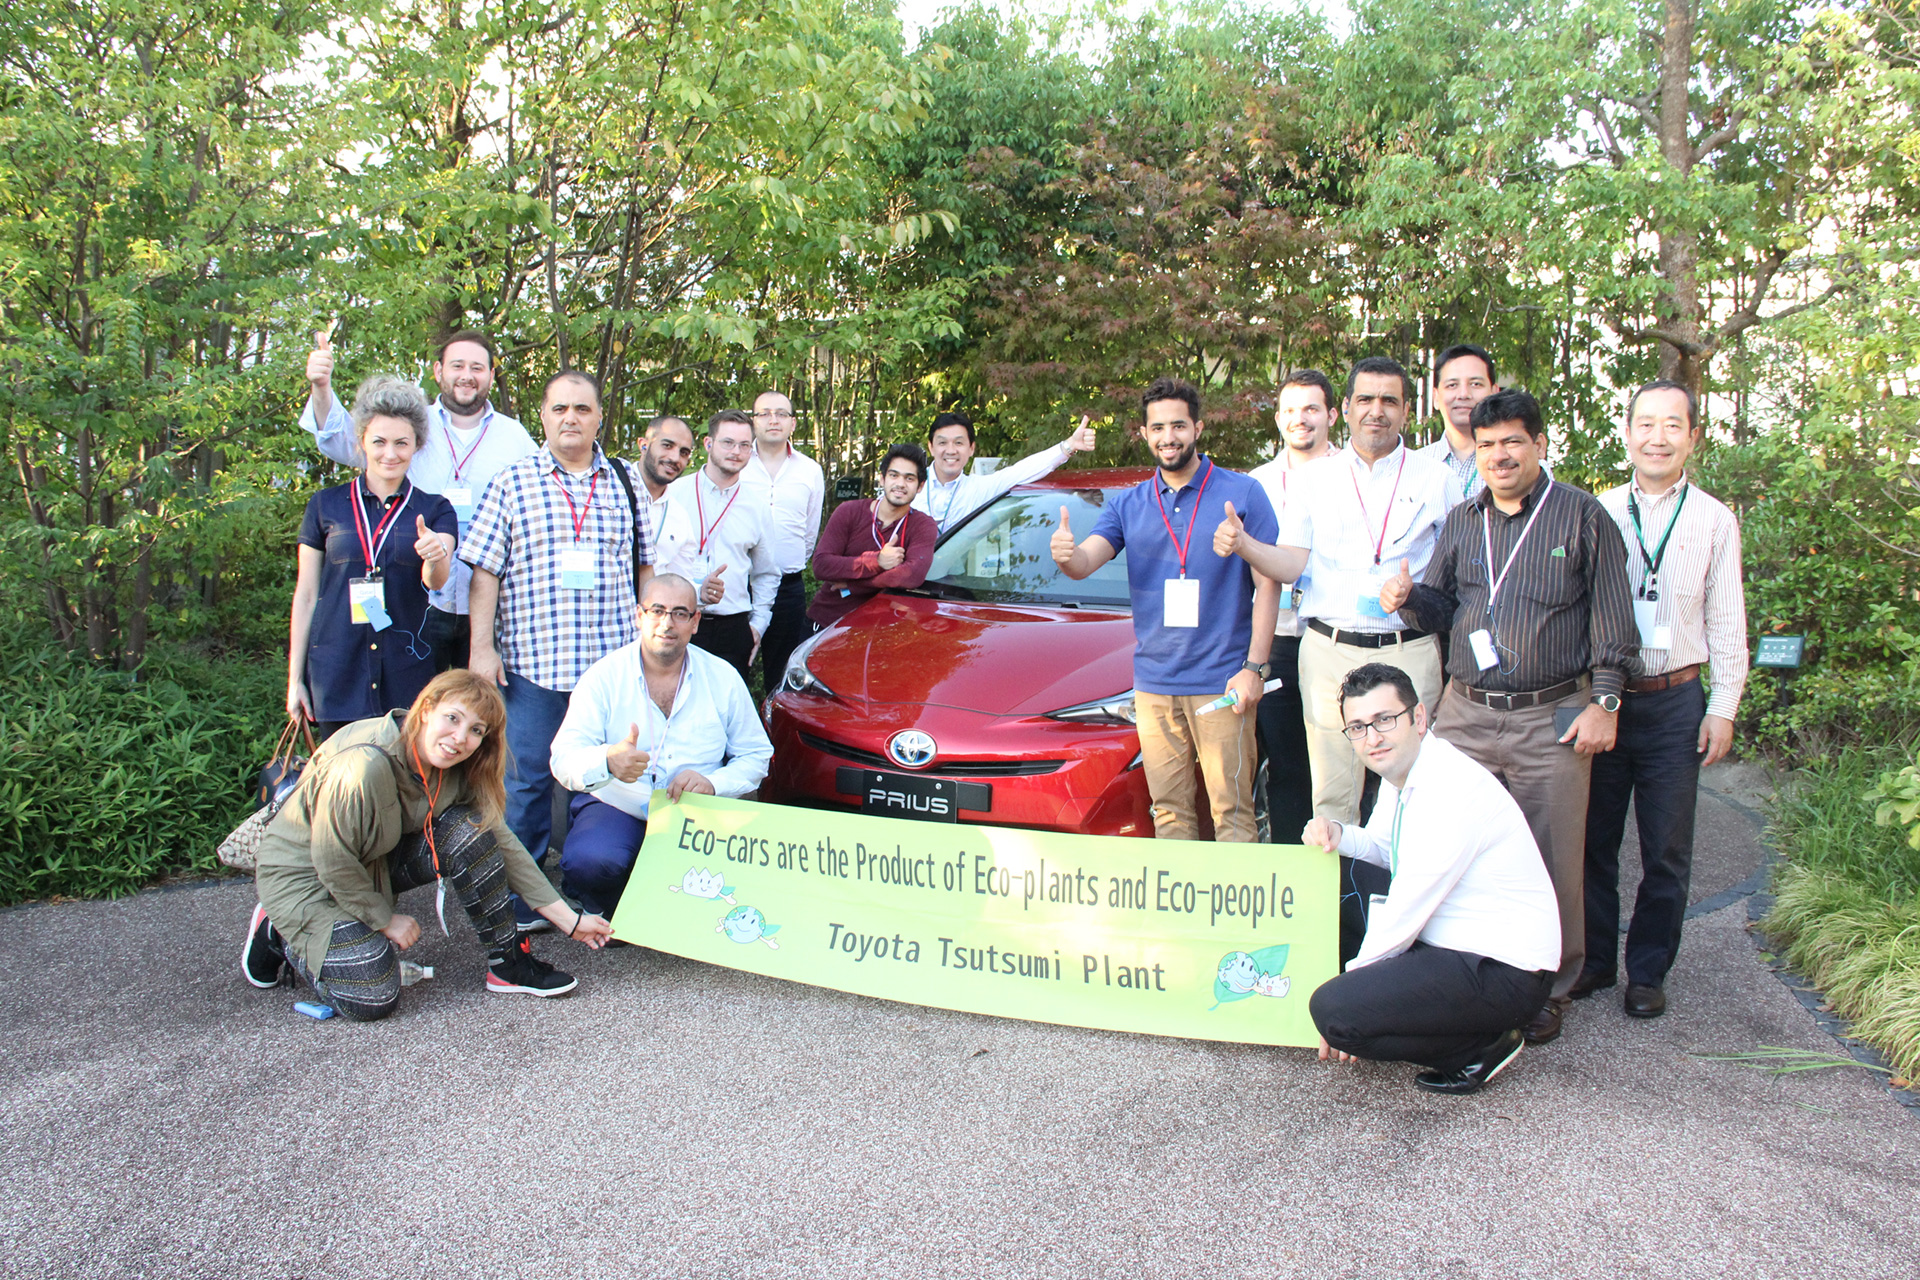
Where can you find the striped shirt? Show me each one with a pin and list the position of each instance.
(1467, 481)
(1699, 596)
(547, 631)
(1564, 607)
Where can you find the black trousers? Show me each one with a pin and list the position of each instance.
(1428, 1005)
(728, 636)
(1283, 736)
(1655, 764)
(785, 630)
(449, 636)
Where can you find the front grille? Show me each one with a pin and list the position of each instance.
(940, 767)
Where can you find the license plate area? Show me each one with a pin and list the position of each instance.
(906, 795)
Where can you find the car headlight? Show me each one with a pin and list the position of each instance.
(799, 678)
(1115, 710)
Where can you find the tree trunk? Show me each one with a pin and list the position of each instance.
(1679, 313)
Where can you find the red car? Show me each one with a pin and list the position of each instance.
(1000, 691)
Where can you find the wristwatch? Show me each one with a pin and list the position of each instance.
(1265, 669)
(1607, 702)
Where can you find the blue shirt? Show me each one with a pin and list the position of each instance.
(353, 671)
(1187, 660)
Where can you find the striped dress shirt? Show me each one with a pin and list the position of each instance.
(1564, 607)
(1700, 593)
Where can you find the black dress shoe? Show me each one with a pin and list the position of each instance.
(1591, 981)
(1545, 1025)
(1644, 1001)
(1472, 1077)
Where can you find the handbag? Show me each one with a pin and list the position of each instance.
(241, 849)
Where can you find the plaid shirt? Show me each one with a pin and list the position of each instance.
(545, 632)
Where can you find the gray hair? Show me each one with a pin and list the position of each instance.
(388, 395)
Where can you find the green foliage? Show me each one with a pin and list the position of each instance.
(107, 780)
(1896, 797)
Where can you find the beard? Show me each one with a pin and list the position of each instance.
(451, 397)
(1185, 457)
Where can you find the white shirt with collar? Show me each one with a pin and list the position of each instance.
(795, 496)
(1276, 477)
(673, 537)
(731, 527)
(1466, 873)
(1465, 471)
(951, 501)
(713, 730)
(1338, 509)
(451, 462)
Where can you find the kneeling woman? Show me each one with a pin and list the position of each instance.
(387, 805)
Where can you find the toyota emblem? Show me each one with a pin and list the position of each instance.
(911, 748)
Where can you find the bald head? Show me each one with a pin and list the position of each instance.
(670, 591)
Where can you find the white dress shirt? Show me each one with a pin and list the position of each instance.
(451, 461)
(1276, 477)
(1701, 602)
(951, 501)
(673, 537)
(735, 535)
(795, 497)
(1338, 509)
(1466, 874)
(713, 730)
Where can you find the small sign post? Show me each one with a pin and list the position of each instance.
(847, 488)
(1780, 651)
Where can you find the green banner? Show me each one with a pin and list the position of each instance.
(1171, 938)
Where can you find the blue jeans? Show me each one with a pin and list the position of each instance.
(1655, 764)
(533, 717)
(602, 842)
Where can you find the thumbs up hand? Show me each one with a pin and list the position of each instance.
(1226, 538)
(1395, 590)
(715, 586)
(625, 760)
(320, 361)
(428, 545)
(1082, 440)
(1061, 544)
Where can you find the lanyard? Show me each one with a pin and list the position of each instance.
(1393, 853)
(1650, 583)
(433, 800)
(579, 516)
(1379, 543)
(460, 463)
(953, 493)
(1179, 547)
(708, 530)
(898, 527)
(1486, 530)
(372, 544)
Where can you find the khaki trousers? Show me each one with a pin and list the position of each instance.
(1172, 737)
(1324, 665)
(1549, 782)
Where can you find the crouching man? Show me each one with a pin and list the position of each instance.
(657, 713)
(1461, 950)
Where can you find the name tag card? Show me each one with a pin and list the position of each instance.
(1483, 654)
(1367, 605)
(699, 568)
(368, 600)
(462, 499)
(579, 566)
(1182, 605)
(1652, 635)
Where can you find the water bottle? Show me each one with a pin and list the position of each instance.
(411, 973)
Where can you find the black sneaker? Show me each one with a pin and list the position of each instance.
(1471, 1078)
(263, 961)
(520, 970)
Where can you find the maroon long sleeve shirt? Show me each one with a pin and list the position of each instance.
(846, 560)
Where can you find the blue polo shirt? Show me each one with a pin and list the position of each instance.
(1187, 661)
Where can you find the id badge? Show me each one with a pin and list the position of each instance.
(1652, 635)
(578, 566)
(1368, 603)
(462, 499)
(1182, 605)
(698, 569)
(1375, 901)
(368, 600)
(1483, 654)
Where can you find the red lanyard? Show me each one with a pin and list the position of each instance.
(579, 516)
(1180, 548)
(460, 463)
(372, 543)
(433, 799)
(1379, 543)
(899, 526)
(706, 530)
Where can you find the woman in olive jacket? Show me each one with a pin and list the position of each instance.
(356, 833)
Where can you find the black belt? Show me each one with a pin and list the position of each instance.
(1366, 639)
(1521, 701)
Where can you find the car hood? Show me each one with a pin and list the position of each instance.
(993, 658)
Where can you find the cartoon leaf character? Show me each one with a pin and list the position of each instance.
(1250, 973)
(698, 883)
(746, 924)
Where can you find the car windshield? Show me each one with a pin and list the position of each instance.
(1000, 553)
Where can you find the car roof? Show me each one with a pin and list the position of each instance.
(1090, 478)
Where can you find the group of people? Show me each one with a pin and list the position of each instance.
(1517, 660)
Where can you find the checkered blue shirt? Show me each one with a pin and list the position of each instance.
(545, 632)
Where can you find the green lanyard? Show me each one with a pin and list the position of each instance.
(1650, 582)
(1393, 854)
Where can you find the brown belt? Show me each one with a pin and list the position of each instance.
(1659, 684)
(1521, 701)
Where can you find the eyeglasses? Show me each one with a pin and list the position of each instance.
(657, 612)
(759, 414)
(1382, 724)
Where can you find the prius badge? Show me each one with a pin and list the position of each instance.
(911, 748)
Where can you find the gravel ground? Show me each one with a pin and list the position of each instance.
(164, 1119)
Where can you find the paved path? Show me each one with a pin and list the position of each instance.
(163, 1119)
